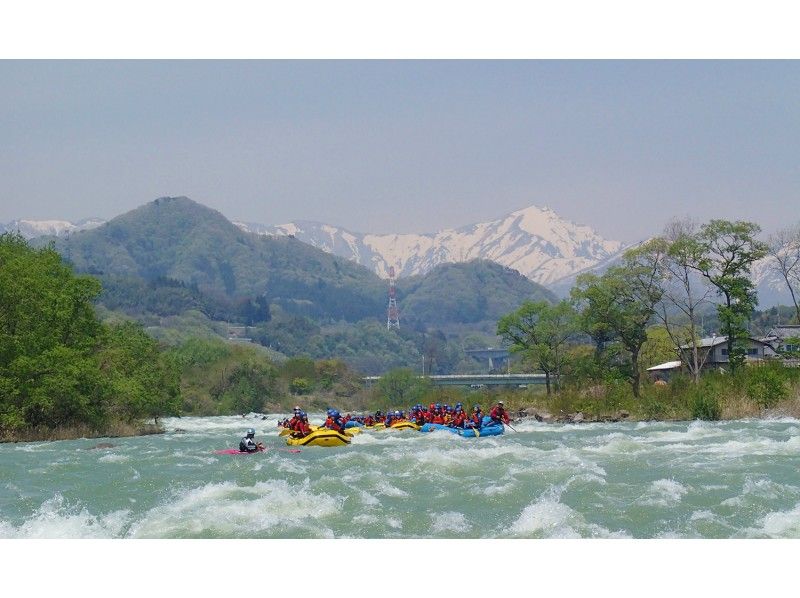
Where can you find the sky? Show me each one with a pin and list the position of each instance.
(405, 146)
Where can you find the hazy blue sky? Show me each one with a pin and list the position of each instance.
(405, 146)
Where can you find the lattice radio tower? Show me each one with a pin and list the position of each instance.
(393, 317)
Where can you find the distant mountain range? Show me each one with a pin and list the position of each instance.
(544, 247)
(176, 239)
(535, 241)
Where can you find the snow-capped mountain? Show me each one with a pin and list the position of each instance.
(37, 228)
(535, 241)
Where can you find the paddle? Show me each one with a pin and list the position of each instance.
(512, 427)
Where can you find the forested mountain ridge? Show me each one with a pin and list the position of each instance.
(467, 292)
(175, 238)
(173, 254)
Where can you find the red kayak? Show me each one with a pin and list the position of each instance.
(233, 451)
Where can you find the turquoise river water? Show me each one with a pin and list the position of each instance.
(738, 479)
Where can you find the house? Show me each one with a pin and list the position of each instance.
(784, 338)
(713, 351)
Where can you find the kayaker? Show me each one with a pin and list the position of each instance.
(499, 414)
(248, 443)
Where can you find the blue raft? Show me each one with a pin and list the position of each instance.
(488, 428)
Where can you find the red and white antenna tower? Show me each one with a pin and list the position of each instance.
(393, 318)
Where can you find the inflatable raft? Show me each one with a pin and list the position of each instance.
(349, 431)
(320, 437)
(487, 429)
(404, 425)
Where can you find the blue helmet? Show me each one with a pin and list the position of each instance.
(251, 432)
(459, 405)
(438, 405)
(335, 413)
(477, 407)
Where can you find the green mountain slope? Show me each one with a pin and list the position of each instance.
(179, 239)
(467, 292)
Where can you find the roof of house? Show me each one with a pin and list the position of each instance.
(784, 331)
(713, 341)
(668, 365)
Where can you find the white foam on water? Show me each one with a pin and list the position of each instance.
(451, 521)
(229, 510)
(663, 493)
(368, 499)
(394, 523)
(493, 489)
(705, 515)
(781, 524)
(114, 458)
(759, 489)
(289, 466)
(549, 518)
(56, 519)
(365, 519)
(384, 488)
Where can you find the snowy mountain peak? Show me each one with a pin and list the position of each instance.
(37, 228)
(534, 240)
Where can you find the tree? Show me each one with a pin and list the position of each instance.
(728, 251)
(401, 387)
(540, 332)
(621, 303)
(682, 252)
(597, 305)
(145, 382)
(784, 249)
(49, 374)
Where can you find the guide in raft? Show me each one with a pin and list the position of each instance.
(248, 443)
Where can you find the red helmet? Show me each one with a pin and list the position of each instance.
(432, 407)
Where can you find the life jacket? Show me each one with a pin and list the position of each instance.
(247, 445)
(437, 419)
(499, 414)
(334, 424)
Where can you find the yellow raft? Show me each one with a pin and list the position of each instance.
(320, 437)
(404, 425)
(348, 431)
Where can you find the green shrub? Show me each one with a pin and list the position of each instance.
(766, 386)
(704, 405)
(300, 386)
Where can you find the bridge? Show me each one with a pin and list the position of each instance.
(475, 380)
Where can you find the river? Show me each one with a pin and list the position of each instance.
(735, 479)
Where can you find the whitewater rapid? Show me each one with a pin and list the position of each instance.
(735, 479)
